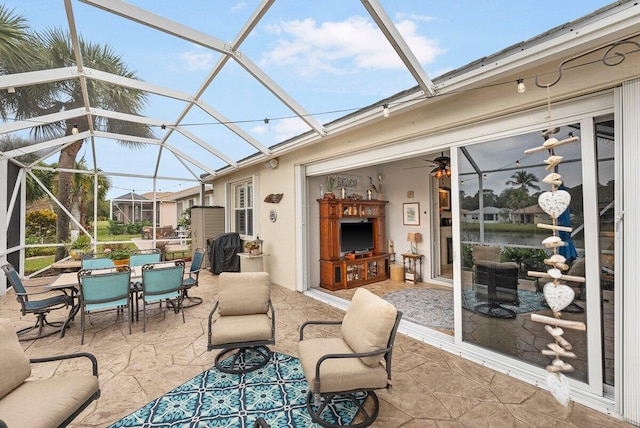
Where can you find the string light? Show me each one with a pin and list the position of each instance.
(518, 162)
(521, 87)
(75, 129)
(385, 110)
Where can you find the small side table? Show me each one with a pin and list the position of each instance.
(412, 267)
(251, 263)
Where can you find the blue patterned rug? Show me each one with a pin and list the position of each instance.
(277, 393)
(434, 308)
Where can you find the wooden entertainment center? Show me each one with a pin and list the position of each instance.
(352, 270)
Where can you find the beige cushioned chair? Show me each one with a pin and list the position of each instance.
(52, 402)
(245, 322)
(358, 360)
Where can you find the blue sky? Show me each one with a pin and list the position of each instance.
(328, 55)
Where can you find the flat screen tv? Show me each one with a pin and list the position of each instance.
(356, 237)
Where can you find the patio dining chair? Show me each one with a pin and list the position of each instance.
(55, 300)
(96, 261)
(102, 290)
(191, 279)
(141, 258)
(162, 282)
(245, 322)
(348, 365)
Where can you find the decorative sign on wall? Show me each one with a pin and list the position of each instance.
(349, 182)
(273, 198)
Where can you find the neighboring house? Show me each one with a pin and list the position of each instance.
(489, 214)
(531, 215)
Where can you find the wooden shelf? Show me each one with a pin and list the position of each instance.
(339, 272)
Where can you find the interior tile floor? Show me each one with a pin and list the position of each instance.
(431, 387)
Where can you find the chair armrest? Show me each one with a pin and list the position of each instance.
(94, 361)
(326, 322)
(260, 423)
(52, 290)
(3, 425)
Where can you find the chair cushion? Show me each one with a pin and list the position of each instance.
(486, 252)
(57, 398)
(368, 323)
(14, 363)
(336, 375)
(237, 329)
(244, 293)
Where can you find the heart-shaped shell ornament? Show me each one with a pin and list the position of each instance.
(554, 203)
(559, 296)
(559, 387)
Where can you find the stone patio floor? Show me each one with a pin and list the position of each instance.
(431, 387)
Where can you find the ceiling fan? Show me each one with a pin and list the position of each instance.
(443, 166)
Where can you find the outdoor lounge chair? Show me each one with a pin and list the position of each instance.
(191, 280)
(96, 261)
(244, 324)
(104, 289)
(495, 283)
(57, 299)
(351, 364)
(52, 402)
(162, 282)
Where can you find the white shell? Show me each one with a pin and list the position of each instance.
(559, 387)
(552, 178)
(555, 331)
(552, 241)
(554, 273)
(554, 203)
(559, 296)
(552, 161)
(557, 258)
(550, 142)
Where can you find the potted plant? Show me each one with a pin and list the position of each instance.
(119, 254)
(77, 247)
(251, 247)
(330, 186)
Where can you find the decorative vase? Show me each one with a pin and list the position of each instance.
(329, 195)
(255, 252)
(76, 254)
(121, 262)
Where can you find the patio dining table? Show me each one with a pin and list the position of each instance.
(69, 281)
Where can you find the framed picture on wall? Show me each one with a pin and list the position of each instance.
(444, 199)
(411, 213)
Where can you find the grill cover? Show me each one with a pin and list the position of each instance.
(223, 252)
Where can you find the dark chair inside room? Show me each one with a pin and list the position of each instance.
(495, 283)
(51, 300)
(355, 363)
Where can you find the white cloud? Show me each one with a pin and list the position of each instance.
(413, 17)
(238, 7)
(196, 60)
(343, 47)
(281, 129)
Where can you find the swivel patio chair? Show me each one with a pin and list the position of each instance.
(102, 290)
(245, 324)
(495, 283)
(42, 402)
(351, 365)
(57, 299)
(162, 282)
(96, 261)
(191, 280)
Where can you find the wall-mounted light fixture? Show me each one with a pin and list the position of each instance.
(271, 163)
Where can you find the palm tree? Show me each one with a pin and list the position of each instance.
(56, 50)
(523, 180)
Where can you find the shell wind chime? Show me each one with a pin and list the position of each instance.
(557, 294)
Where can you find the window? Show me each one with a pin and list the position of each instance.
(243, 208)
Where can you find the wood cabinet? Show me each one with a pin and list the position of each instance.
(338, 272)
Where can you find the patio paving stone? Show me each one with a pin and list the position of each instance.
(431, 387)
